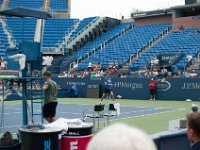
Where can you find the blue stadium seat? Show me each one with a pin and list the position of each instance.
(3, 42)
(88, 48)
(21, 28)
(58, 5)
(84, 23)
(186, 42)
(127, 45)
(55, 30)
(34, 4)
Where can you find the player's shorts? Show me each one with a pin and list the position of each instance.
(152, 92)
(49, 110)
(107, 90)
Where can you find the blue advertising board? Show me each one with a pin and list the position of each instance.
(137, 88)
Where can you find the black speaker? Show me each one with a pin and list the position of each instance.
(189, 2)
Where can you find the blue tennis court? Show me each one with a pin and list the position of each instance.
(13, 113)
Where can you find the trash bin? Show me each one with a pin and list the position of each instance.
(12, 147)
(77, 137)
(13, 142)
(39, 138)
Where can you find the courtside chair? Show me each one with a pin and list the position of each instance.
(97, 113)
(111, 112)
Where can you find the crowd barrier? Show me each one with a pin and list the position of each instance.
(172, 140)
(128, 88)
(135, 88)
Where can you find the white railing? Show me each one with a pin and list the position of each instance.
(79, 33)
(84, 32)
(102, 45)
(150, 44)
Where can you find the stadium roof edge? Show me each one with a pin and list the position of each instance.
(151, 13)
(185, 6)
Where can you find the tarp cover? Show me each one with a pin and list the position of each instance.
(25, 12)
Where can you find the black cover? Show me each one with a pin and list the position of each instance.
(25, 12)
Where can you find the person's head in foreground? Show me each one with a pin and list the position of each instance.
(47, 75)
(121, 137)
(193, 125)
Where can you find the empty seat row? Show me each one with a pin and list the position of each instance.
(21, 29)
(58, 5)
(55, 30)
(35, 4)
(120, 50)
(95, 44)
(186, 42)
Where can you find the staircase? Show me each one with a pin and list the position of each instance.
(84, 32)
(4, 4)
(140, 52)
(103, 45)
(195, 64)
(38, 35)
(62, 45)
(12, 44)
(47, 5)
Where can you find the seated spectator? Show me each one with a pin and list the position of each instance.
(155, 73)
(101, 73)
(110, 65)
(180, 28)
(186, 74)
(121, 137)
(3, 64)
(189, 57)
(155, 63)
(193, 132)
(114, 69)
(164, 72)
(98, 66)
(75, 66)
(147, 74)
(74, 91)
(90, 66)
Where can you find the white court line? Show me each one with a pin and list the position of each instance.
(70, 113)
(97, 104)
(13, 126)
(11, 113)
(156, 113)
(123, 117)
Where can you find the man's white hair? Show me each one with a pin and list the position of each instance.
(121, 137)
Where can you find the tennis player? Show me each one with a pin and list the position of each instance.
(107, 89)
(50, 97)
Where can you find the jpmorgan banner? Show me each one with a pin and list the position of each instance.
(137, 88)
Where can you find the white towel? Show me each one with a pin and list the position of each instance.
(117, 107)
(63, 124)
(21, 58)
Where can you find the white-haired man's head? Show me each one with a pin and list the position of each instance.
(121, 137)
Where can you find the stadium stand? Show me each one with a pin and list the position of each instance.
(128, 44)
(95, 44)
(186, 42)
(58, 5)
(55, 30)
(21, 28)
(3, 38)
(2, 51)
(34, 4)
(83, 24)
